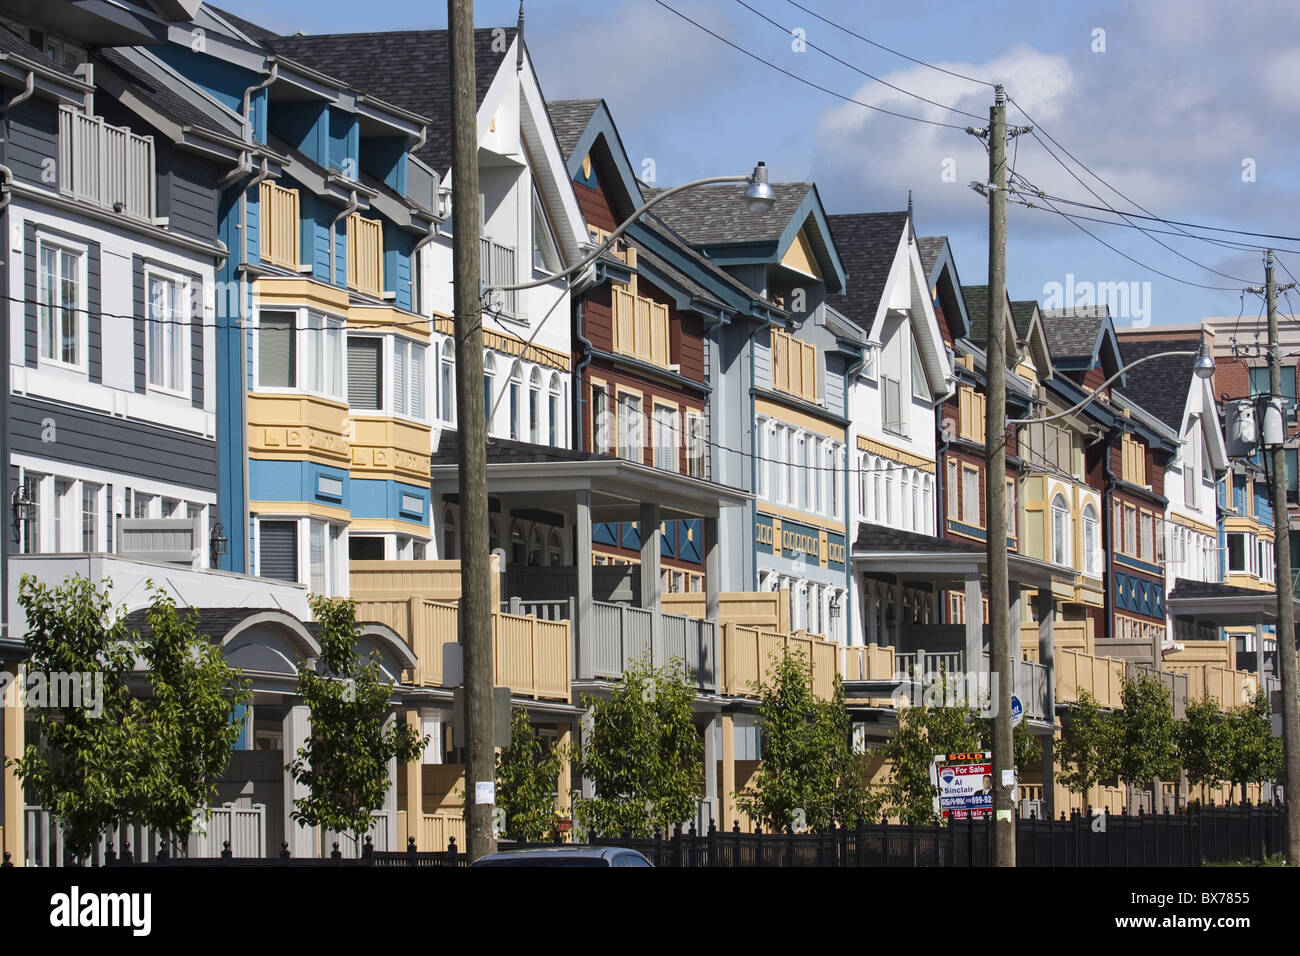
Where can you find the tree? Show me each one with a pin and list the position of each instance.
(1202, 743)
(1252, 753)
(526, 780)
(643, 755)
(344, 763)
(104, 757)
(922, 733)
(1146, 744)
(1086, 753)
(809, 775)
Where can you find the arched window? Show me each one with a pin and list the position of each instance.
(907, 501)
(556, 556)
(1060, 531)
(489, 377)
(554, 413)
(1091, 542)
(535, 554)
(449, 543)
(516, 401)
(862, 487)
(535, 408)
(447, 382)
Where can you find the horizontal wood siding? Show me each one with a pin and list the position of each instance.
(189, 192)
(31, 147)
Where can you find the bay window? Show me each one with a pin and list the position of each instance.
(365, 373)
(408, 378)
(301, 349)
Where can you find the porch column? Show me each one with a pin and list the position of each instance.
(296, 729)
(415, 785)
(564, 784)
(1049, 776)
(728, 772)
(711, 734)
(897, 595)
(11, 790)
(712, 568)
(974, 621)
(1014, 618)
(651, 539)
(390, 796)
(588, 725)
(582, 565)
(1047, 644)
(1259, 646)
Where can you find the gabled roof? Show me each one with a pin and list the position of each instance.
(931, 248)
(977, 308)
(11, 44)
(941, 278)
(1161, 385)
(571, 119)
(149, 87)
(409, 69)
(715, 219)
(1081, 337)
(867, 243)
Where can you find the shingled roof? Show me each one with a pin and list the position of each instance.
(159, 95)
(409, 69)
(569, 118)
(11, 44)
(506, 451)
(716, 215)
(1022, 313)
(1161, 385)
(878, 537)
(214, 622)
(930, 248)
(867, 243)
(1073, 333)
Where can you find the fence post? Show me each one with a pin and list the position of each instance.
(860, 849)
(225, 850)
(335, 854)
(284, 850)
(758, 844)
(368, 851)
(451, 849)
(411, 852)
(8, 860)
(735, 848)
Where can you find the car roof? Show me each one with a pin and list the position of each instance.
(561, 850)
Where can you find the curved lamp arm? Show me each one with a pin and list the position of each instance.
(614, 236)
(1097, 392)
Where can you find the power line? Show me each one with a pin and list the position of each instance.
(800, 79)
(887, 49)
(871, 76)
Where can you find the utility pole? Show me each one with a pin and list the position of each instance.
(1286, 648)
(995, 491)
(475, 575)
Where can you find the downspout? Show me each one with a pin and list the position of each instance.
(262, 174)
(424, 240)
(28, 89)
(271, 77)
(348, 210)
(1108, 513)
(577, 376)
(765, 323)
(850, 456)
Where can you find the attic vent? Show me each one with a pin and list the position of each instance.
(586, 166)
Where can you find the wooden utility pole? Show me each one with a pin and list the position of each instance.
(475, 581)
(995, 491)
(1286, 648)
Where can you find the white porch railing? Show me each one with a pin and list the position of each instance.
(497, 265)
(350, 849)
(105, 165)
(243, 827)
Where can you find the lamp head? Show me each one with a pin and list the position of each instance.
(759, 196)
(1204, 365)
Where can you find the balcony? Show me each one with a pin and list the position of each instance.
(497, 266)
(106, 166)
(640, 327)
(748, 654)
(365, 240)
(1078, 671)
(279, 221)
(794, 366)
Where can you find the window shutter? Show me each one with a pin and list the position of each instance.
(365, 361)
(278, 550)
(275, 350)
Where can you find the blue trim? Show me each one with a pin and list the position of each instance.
(1139, 565)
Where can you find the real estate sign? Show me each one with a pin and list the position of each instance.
(965, 785)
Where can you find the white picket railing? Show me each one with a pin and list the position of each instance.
(350, 849)
(243, 827)
(105, 165)
(497, 267)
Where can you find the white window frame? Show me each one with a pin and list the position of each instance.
(81, 313)
(302, 345)
(414, 385)
(447, 381)
(181, 327)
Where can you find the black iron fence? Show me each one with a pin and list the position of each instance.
(1205, 835)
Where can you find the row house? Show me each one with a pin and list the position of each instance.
(130, 202)
(798, 359)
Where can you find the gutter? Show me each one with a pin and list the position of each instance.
(587, 349)
(1108, 513)
(26, 94)
(271, 77)
(850, 456)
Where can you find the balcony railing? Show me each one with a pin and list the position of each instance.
(280, 218)
(366, 255)
(870, 662)
(106, 165)
(497, 264)
(1077, 671)
(748, 655)
(622, 634)
(640, 327)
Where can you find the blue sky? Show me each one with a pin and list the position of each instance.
(1184, 93)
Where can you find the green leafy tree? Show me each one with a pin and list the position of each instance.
(1253, 754)
(344, 764)
(1086, 752)
(151, 760)
(1147, 746)
(1203, 743)
(809, 775)
(644, 754)
(526, 780)
(922, 733)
